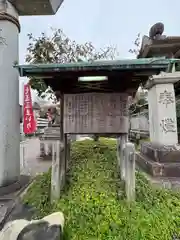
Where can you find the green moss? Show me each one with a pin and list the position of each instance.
(92, 208)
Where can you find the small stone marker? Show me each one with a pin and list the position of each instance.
(130, 171)
(47, 228)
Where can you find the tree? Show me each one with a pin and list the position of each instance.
(58, 48)
(140, 100)
(137, 44)
(141, 94)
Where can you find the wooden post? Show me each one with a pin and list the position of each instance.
(55, 173)
(58, 165)
(120, 155)
(130, 171)
(67, 152)
(62, 140)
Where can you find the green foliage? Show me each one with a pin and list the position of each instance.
(58, 48)
(92, 208)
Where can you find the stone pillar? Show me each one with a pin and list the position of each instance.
(129, 150)
(162, 109)
(55, 172)
(9, 95)
(161, 156)
(121, 141)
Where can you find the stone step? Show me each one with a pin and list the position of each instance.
(165, 182)
(157, 169)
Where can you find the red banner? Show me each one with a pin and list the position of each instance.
(29, 121)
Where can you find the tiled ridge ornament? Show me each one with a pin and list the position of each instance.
(161, 156)
(47, 228)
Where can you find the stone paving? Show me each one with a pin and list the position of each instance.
(31, 165)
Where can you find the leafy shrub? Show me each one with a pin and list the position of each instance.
(92, 208)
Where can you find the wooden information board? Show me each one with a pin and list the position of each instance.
(96, 113)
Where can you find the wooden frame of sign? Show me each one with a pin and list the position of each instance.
(96, 113)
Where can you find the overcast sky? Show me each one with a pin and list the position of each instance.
(104, 22)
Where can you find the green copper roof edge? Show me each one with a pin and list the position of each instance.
(102, 63)
(122, 67)
(113, 64)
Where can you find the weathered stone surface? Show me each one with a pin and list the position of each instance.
(162, 108)
(48, 228)
(22, 182)
(5, 208)
(161, 153)
(157, 169)
(161, 157)
(21, 211)
(91, 113)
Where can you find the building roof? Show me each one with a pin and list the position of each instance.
(34, 7)
(122, 75)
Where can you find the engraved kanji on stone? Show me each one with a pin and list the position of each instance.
(168, 125)
(2, 39)
(3, 46)
(166, 98)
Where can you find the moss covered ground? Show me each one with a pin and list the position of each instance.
(94, 204)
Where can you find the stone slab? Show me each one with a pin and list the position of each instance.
(6, 207)
(157, 169)
(161, 153)
(22, 182)
(164, 182)
(50, 228)
(21, 211)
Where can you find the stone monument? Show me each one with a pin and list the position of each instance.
(9, 80)
(161, 156)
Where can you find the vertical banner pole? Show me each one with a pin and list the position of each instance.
(29, 125)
